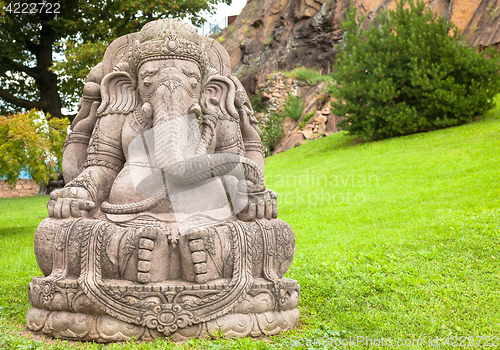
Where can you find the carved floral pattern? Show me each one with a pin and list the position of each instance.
(167, 318)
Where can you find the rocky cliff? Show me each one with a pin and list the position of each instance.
(271, 35)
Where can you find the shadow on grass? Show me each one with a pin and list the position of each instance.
(17, 231)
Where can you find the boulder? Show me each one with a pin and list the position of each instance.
(293, 141)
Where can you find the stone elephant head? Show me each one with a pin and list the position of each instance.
(169, 81)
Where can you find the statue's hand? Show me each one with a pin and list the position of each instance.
(86, 118)
(260, 205)
(70, 202)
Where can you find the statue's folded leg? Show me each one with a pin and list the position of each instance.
(57, 248)
(207, 254)
(126, 252)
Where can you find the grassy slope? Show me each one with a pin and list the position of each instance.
(417, 255)
(395, 239)
(19, 218)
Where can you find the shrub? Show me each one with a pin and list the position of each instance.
(406, 74)
(257, 104)
(293, 107)
(272, 131)
(272, 124)
(32, 142)
(495, 111)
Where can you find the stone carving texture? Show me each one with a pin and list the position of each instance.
(165, 227)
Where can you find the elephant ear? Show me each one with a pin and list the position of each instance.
(118, 93)
(219, 92)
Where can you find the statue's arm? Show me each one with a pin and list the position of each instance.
(250, 133)
(75, 147)
(91, 187)
(263, 204)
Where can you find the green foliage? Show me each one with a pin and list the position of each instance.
(293, 107)
(257, 104)
(406, 74)
(79, 33)
(492, 12)
(310, 76)
(272, 125)
(272, 131)
(306, 119)
(72, 72)
(495, 112)
(32, 142)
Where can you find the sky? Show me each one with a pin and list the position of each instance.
(224, 10)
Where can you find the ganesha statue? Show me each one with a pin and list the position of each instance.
(165, 228)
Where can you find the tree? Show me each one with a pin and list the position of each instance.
(80, 30)
(33, 142)
(406, 74)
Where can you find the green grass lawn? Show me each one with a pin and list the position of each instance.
(396, 239)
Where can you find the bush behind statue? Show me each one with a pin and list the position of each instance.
(405, 74)
(33, 142)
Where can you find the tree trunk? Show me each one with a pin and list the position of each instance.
(49, 95)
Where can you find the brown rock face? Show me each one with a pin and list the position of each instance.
(272, 35)
(280, 34)
(484, 26)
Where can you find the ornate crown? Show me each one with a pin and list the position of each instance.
(167, 39)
